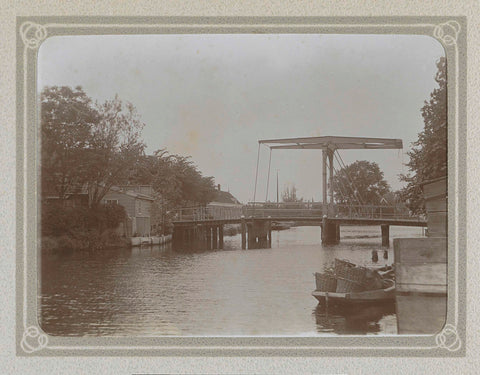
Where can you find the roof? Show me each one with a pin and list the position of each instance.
(225, 197)
(131, 193)
(332, 143)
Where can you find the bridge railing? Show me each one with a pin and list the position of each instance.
(318, 209)
(208, 213)
(293, 210)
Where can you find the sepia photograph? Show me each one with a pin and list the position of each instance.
(242, 185)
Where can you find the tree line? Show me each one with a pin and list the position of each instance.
(98, 145)
(87, 146)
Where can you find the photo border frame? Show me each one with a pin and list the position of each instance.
(31, 340)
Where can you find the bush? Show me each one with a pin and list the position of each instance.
(80, 228)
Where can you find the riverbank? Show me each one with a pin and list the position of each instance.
(90, 242)
(153, 240)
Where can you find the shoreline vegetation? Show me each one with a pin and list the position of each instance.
(88, 148)
(67, 229)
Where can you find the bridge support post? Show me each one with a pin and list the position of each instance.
(174, 236)
(208, 231)
(252, 240)
(385, 235)
(269, 234)
(215, 237)
(220, 236)
(243, 225)
(330, 232)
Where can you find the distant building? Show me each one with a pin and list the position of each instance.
(224, 205)
(224, 199)
(137, 201)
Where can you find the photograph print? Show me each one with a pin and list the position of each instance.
(242, 185)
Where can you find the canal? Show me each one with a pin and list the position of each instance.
(155, 291)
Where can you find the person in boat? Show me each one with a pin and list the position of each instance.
(373, 280)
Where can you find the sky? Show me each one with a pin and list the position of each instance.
(212, 97)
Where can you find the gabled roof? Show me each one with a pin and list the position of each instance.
(225, 197)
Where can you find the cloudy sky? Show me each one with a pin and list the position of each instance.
(214, 96)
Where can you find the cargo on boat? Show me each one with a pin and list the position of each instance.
(351, 284)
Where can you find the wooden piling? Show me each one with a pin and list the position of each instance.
(385, 235)
(329, 232)
(220, 236)
(269, 233)
(208, 231)
(215, 237)
(244, 232)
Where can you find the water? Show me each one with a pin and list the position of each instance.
(156, 291)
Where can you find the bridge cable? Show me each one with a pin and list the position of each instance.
(343, 189)
(268, 175)
(342, 164)
(256, 177)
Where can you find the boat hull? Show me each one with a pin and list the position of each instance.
(369, 296)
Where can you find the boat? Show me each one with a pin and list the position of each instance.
(348, 283)
(281, 225)
(387, 294)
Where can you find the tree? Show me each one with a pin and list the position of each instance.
(86, 144)
(176, 182)
(428, 156)
(114, 148)
(67, 115)
(289, 195)
(360, 183)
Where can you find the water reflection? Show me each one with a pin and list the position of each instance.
(157, 291)
(353, 320)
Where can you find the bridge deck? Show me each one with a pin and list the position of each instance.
(308, 214)
(311, 221)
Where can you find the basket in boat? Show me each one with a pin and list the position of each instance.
(341, 267)
(325, 283)
(358, 274)
(348, 286)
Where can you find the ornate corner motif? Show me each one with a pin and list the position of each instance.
(447, 32)
(449, 339)
(33, 340)
(32, 34)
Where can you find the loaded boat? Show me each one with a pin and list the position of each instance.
(351, 284)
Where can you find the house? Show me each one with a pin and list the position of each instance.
(76, 196)
(137, 201)
(224, 199)
(224, 205)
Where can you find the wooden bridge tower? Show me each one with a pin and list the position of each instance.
(328, 145)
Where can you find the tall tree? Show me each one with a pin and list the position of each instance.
(361, 183)
(67, 116)
(175, 178)
(428, 156)
(85, 143)
(115, 147)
